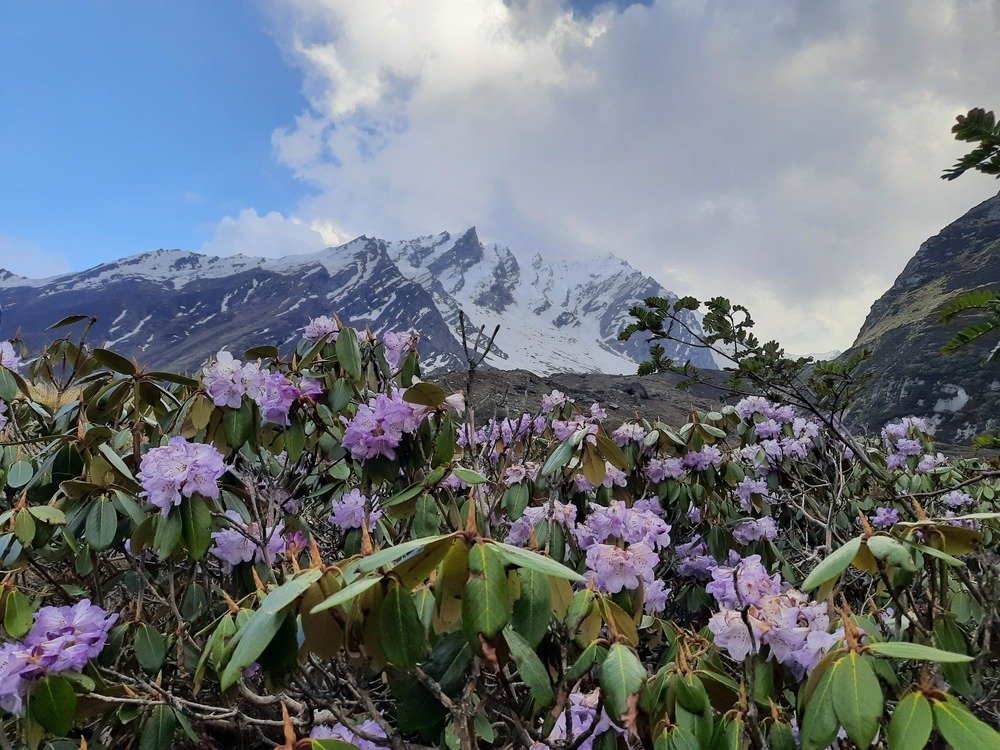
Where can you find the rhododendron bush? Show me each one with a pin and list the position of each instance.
(325, 550)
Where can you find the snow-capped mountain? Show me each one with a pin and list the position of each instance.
(172, 307)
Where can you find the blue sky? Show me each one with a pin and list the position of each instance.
(127, 126)
(784, 153)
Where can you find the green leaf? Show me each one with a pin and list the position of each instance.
(523, 558)
(820, 724)
(901, 650)
(257, 633)
(67, 321)
(349, 353)
(468, 475)
(911, 723)
(168, 533)
(196, 526)
(949, 637)
(403, 637)
(391, 555)
(595, 653)
(533, 607)
(239, 424)
(559, 458)
(891, 551)
(18, 615)
(150, 648)
(8, 386)
(102, 524)
(19, 474)
(961, 729)
(622, 675)
(529, 667)
(425, 394)
(833, 565)
(115, 460)
(47, 514)
(347, 593)
(24, 527)
(158, 730)
(486, 606)
(857, 699)
(114, 362)
(53, 704)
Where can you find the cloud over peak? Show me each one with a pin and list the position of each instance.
(783, 153)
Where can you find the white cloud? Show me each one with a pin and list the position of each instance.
(785, 154)
(271, 235)
(25, 258)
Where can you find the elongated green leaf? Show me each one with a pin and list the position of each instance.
(347, 593)
(486, 604)
(150, 648)
(529, 667)
(832, 566)
(911, 723)
(115, 460)
(102, 524)
(523, 558)
(349, 353)
(533, 607)
(47, 514)
(158, 730)
(559, 458)
(114, 362)
(264, 623)
(891, 551)
(403, 638)
(239, 424)
(18, 615)
(196, 526)
(53, 704)
(391, 555)
(857, 699)
(900, 650)
(961, 729)
(949, 636)
(622, 675)
(820, 723)
(168, 533)
(595, 653)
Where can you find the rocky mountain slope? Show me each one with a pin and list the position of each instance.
(175, 308)
(959, 393)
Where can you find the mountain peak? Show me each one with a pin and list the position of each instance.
(553, 316)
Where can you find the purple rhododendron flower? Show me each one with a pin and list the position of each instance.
(755, 530)
(742, 582)
(629, 432)
(580, 715)
(378, 426)
(227, 380)
(397, 346)
(665, 468)
(884, 518)
(957, 499)
(613, 568)
(554, 400)
(340, 732)
(563, 514)
(348, 511)
(319, 327)
(747, 488)
(702, 459)
(62, 639)
(277, 397)
(8, 357)
(243, 543)
(180, 469)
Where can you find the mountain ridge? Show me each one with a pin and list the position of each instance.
(958, 393)
(166, 306)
